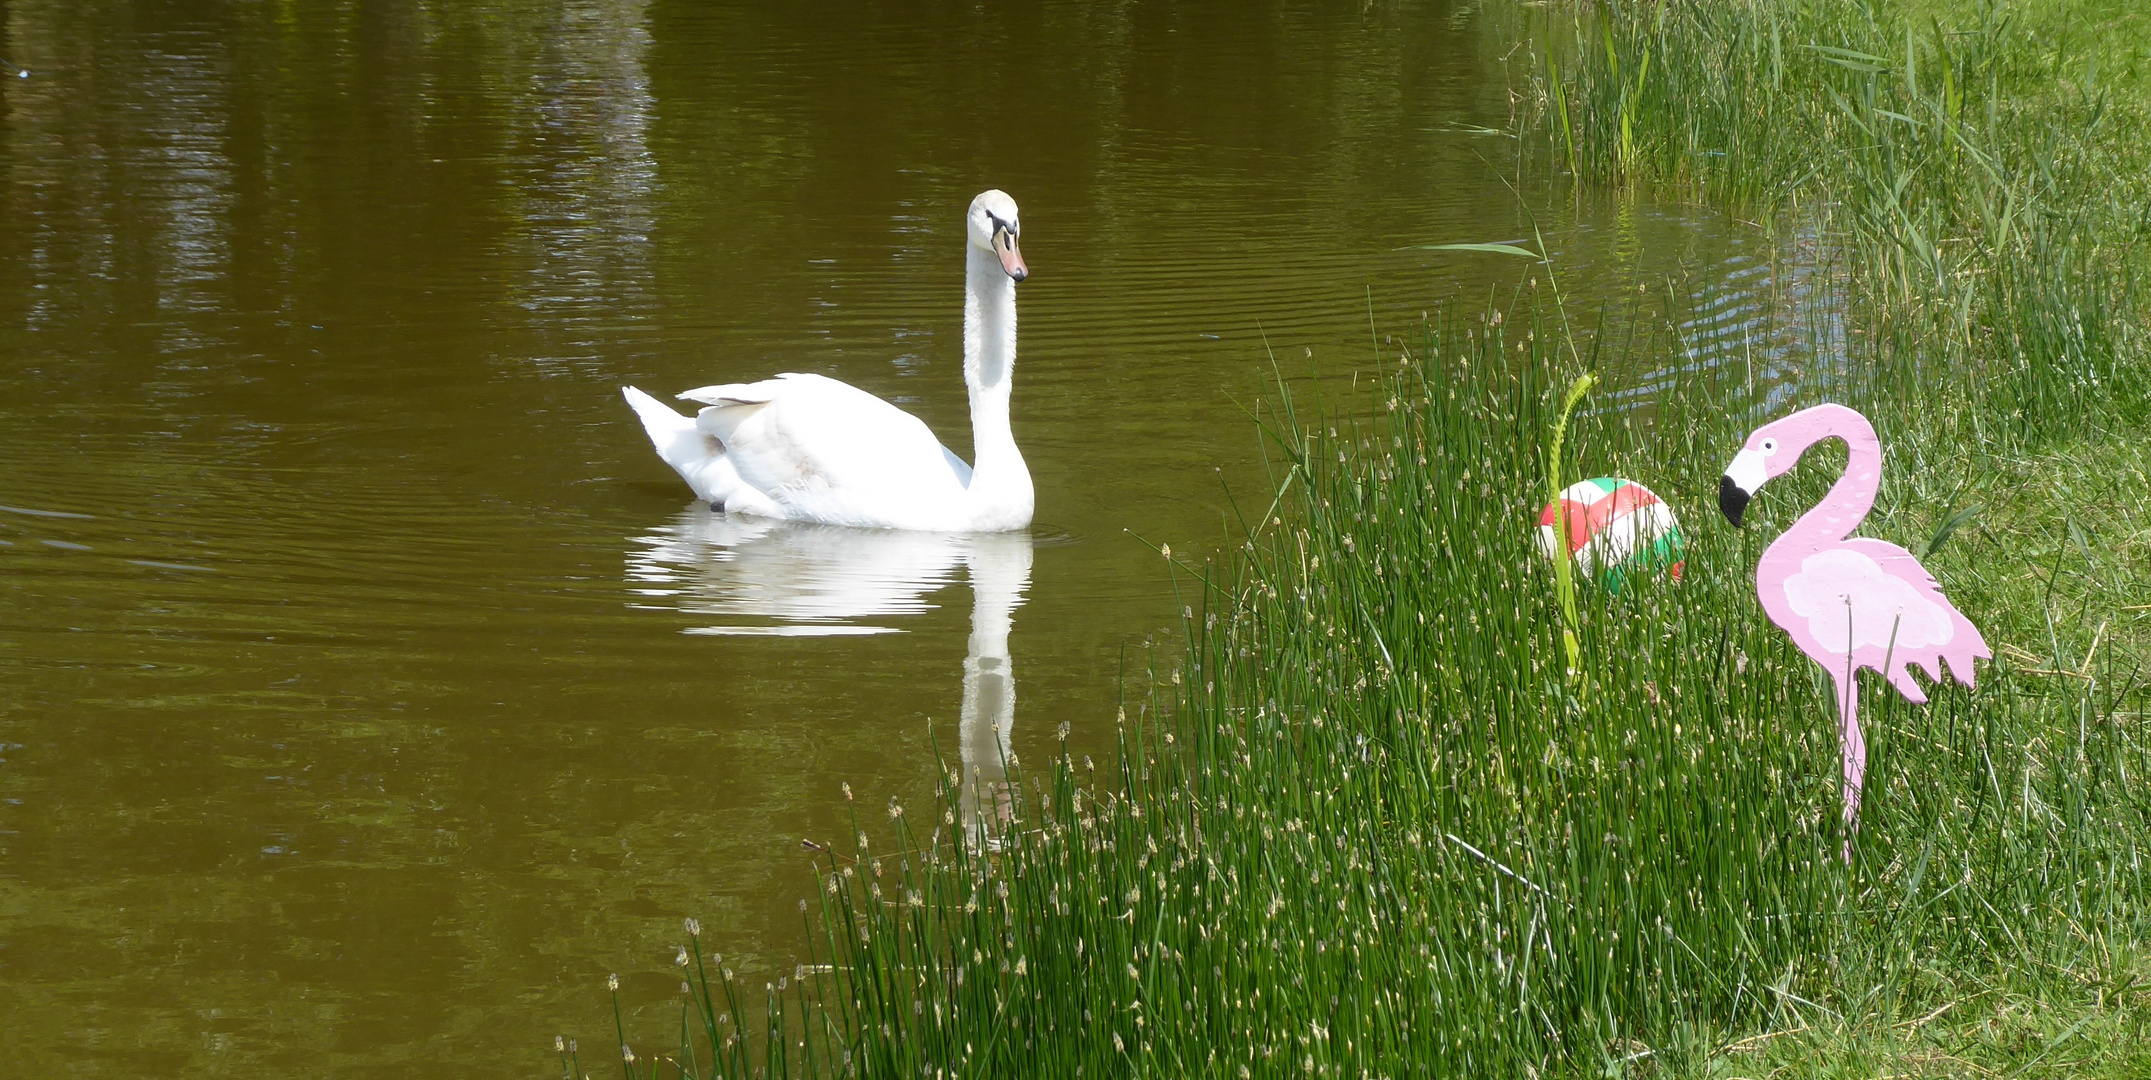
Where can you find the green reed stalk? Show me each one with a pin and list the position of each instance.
(1564, 586)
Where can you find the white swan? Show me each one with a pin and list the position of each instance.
(810, 448)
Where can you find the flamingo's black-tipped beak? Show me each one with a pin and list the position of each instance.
(1732, 499)
(1742, 479)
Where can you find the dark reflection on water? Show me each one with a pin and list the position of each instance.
(368, 696)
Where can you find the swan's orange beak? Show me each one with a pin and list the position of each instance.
(1004, 245)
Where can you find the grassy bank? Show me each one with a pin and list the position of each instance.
(1369, 823)
(1977, 170)
(1371, 826)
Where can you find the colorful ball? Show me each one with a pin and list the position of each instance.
(1615, 528)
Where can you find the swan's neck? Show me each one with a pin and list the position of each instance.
(998, 475)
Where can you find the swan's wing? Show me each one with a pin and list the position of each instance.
(754, 393)
(828, 451)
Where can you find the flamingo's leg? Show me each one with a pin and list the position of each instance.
(1854, 745)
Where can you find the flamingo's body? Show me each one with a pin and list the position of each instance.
(1848, 602)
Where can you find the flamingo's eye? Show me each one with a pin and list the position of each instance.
(1769, 446)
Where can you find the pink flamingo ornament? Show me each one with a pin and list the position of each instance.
(1848, 601)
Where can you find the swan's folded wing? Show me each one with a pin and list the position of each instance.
(832, 452)
(754, 393)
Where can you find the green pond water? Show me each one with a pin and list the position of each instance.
(369, 690)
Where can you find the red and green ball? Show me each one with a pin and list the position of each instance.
(1616, 528)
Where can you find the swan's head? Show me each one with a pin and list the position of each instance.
(994, 227)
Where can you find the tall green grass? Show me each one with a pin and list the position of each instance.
(1982, 191)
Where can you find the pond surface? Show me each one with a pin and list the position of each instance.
(369, 690)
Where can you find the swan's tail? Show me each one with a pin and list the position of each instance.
(697, 457)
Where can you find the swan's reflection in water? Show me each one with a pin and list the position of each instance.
(754, 576)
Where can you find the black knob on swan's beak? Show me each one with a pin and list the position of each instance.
(1004, 245)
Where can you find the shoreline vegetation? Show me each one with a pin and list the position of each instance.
(1369, 824)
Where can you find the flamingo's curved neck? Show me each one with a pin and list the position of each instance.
(1849, 500)
(989, 360)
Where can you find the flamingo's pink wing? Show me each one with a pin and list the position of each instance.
(1965, 644)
